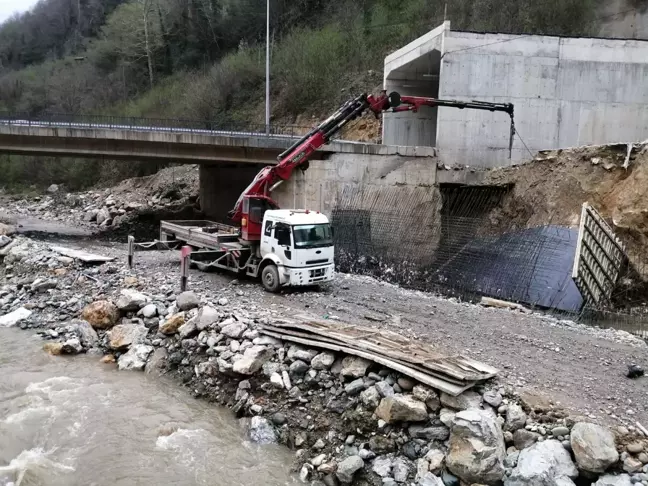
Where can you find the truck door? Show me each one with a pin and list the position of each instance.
(282, 235)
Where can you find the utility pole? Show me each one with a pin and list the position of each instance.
(267, 115)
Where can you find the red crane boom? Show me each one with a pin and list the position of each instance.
(253, 202)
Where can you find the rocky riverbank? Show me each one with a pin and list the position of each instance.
(349, 421)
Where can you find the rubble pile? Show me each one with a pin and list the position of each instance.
(349, 420)
(169, 190)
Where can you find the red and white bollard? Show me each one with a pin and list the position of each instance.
(185, 253)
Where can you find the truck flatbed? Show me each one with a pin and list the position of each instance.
(199, 234)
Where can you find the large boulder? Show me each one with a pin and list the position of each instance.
(347, 468)
(260, 431)
(252, 360)
(593, 447)
(401, 408)
(102, 216)
(172, 324)
(123, 336)
(543, 464)
(101, 314)
(612, 480)
(87, 335)
(477, 449)
(354, 367)
(206, 317)
(135, 358)
(187, 300)
(234, 330)
(323, 361)
(131, 300)
(515, 417)
(466, 401)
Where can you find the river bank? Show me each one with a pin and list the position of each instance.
(347, 420)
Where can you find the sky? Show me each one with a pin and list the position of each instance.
(9, 7)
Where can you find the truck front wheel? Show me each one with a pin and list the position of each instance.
(270, 278)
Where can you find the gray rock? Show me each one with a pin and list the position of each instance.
(187, 301)
(436, 432)
(381, 444)
(370, 397)
(466, 401)
(157, 361)
(87, 335)
(298, 368)
(354, 367)
(355, 387)
(188, 330)
(542, 464)
(131, 300)
(593, 447)
(401, 469)
(435, 459)
(613, 480)
(401, 408)
(53, 188)
(382, 466)
(477, 449)
(260, 431)
(515, 417)
(276, 380)
(348, 467)
(208, 316)
(632, 465)
(523, 438)
(71, 346)
(558, 431)
(148, 311)
(511, 459)
(323, 361)
(252, 360)
(430, 479)
(446, 416)
(234, 330)
(406, 383)
(136, 357)
(493, 398)
(384, 389)
(297, 352)
(90, 215)
(223, 301)
(102, 216)
(124, 335)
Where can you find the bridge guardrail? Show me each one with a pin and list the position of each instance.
(178, 125)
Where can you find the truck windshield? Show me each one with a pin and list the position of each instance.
(312, 235)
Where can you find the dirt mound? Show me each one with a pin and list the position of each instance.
(552, 188)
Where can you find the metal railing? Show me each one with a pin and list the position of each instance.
(174, 125)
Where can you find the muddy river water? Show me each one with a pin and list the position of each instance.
(69, 422)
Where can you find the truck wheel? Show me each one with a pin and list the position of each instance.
(270, 278)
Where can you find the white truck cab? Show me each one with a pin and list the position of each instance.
(296, 249)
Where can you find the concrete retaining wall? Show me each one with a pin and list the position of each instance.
(379, 205)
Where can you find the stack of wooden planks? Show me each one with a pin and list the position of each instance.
(450, 374)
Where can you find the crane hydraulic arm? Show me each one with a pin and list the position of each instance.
(298, 154)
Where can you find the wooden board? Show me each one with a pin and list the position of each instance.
(84, 256)
(394, 346)
(426, 379)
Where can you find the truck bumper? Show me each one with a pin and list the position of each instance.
(308, 276)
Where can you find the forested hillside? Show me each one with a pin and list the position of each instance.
(205, 59)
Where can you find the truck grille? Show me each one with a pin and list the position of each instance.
(315, 262)
(320, 272)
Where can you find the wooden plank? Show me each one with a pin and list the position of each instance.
(304, 335)
(81, 255)
(401, 348)
(436, 383)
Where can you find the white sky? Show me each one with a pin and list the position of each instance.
(9, 7)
